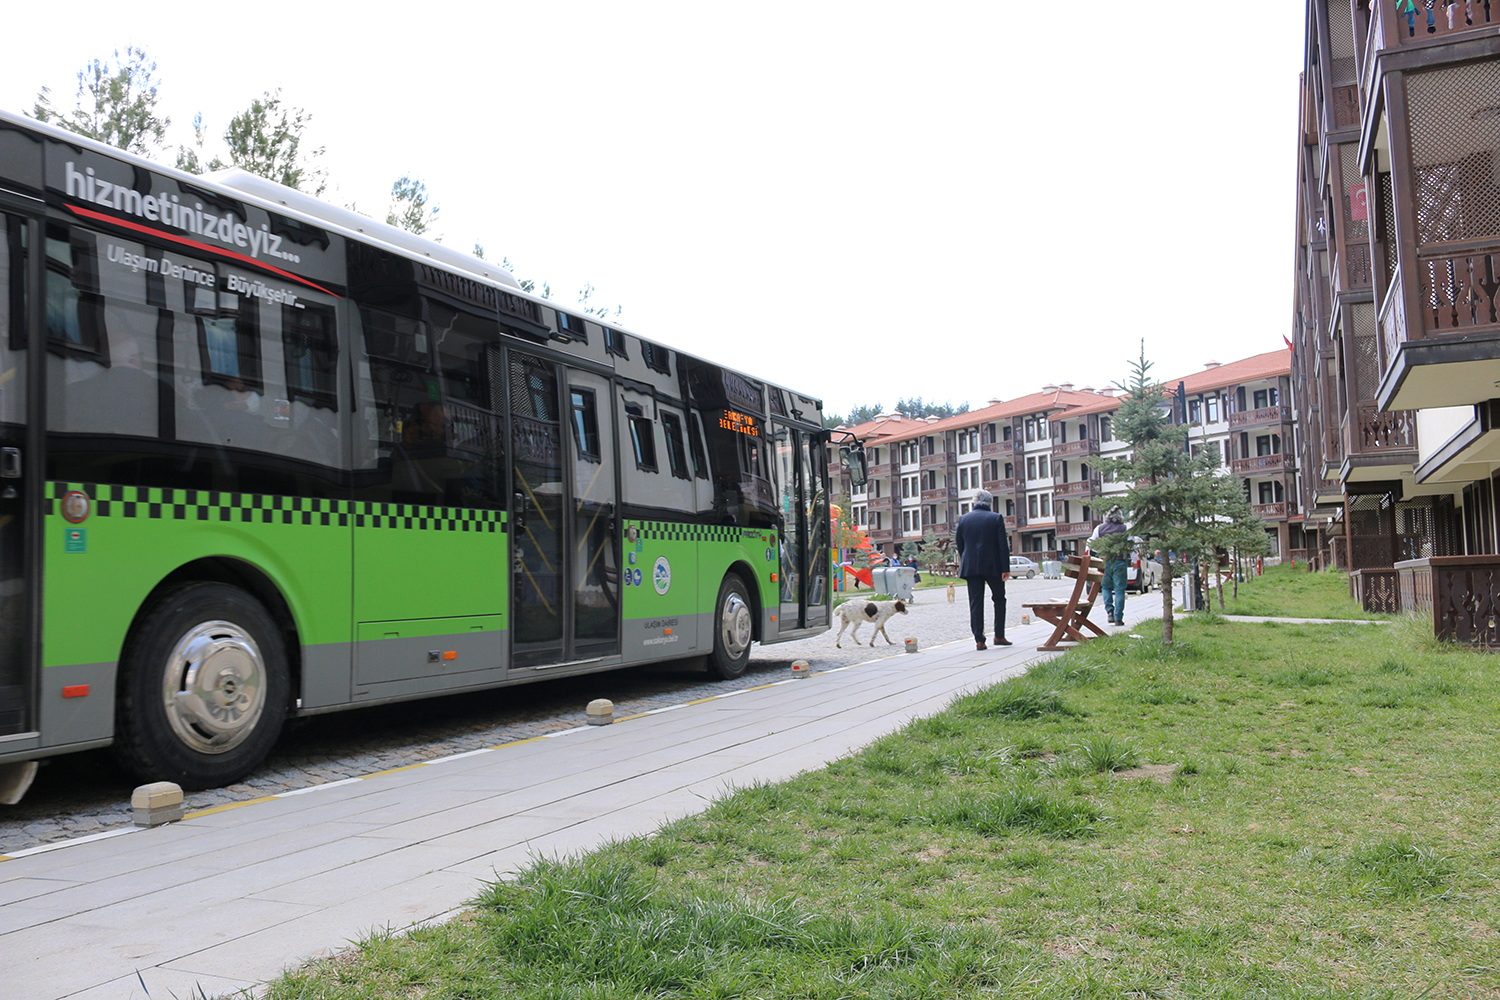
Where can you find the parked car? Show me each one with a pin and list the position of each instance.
(1021, 566)
(1141, 572)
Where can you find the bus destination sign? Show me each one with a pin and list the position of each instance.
(740, 423)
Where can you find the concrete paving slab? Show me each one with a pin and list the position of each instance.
(231, 897)
(155, 983)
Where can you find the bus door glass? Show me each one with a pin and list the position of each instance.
(593, 561)
(814, 473)
(17, 465)
(538, 585)
(791, 508)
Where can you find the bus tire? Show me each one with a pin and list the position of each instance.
(733, 625)
(204, 688)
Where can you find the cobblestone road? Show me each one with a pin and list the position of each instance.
(84, 793)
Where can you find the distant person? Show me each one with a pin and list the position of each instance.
(916, 571)
(1113, 587)
(984, 560)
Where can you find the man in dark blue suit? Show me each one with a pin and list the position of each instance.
(984, 558)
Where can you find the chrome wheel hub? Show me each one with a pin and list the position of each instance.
(735, 625)
(214, 687)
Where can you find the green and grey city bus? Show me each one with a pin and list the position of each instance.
(263, 457)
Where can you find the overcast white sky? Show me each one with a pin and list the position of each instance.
(864, 201)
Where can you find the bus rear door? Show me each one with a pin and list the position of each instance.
(20, 489)
(801, 470)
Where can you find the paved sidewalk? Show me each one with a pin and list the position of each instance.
(232, 896)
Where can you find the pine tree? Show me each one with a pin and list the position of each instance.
(116, 103)
(1171, 497)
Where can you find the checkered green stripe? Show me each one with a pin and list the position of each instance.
(153, 503)
(668, 532)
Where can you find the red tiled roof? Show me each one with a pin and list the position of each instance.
(1259, 366)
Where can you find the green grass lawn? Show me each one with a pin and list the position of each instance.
(1291, 591)
(1259, 811)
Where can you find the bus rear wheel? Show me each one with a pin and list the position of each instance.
(733, 625)
(204, 690)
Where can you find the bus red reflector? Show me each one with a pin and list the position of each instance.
(451, 654)
(76, 691)
(669, 631)
(773, 577)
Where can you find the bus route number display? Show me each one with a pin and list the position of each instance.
(740, 423)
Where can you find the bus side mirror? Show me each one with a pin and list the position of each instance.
(853, 461)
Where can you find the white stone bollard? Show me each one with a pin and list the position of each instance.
(911, 645)
(157, 803)
(801, 669)
(601, 712)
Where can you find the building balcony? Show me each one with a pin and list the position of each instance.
(937, 460)
(1078, 488)
(994, 449)
(1448, 354)
(1378, 446)
(1011, 522)
(1088, 446)
(880, 503)
(879, 536)
(1260, 465)
(1270, 511)
(1261, 417)
(1000, 485)
(940, 495)
(1076, 529)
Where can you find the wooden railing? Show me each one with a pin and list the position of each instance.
(941, 493)
(1259, 463)
(1376, 590)
(936, 460)
(1444, 19)
(1270, 511)
(1076, 529)
(1080, 488)
(1461, 592)
(879, 535)
(1088, 446)
(1458, 291)
(1371, 432)
(1000, 485)
(994, 449)
(1264, 415)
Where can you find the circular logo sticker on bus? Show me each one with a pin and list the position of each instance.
(661, 575)
(75, 506)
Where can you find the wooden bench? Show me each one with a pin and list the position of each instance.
(1071, 617)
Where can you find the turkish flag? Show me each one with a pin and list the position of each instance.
(1359, 203)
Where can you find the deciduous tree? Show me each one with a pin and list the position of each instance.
(410, 209)
(116, 103)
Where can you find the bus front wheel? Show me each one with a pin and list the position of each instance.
(204, 690)
(733, 625)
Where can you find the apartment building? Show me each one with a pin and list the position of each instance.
(1396, 360)
(1039, 455)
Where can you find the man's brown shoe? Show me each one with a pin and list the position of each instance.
(980, 645)
(1000, 640)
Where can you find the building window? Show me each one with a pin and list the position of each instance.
(1046, 504)
(1261, 399)
(570, 328)
(1030, 429)
(1041, 467)
(1005, 432)
(1195, 411)
(614, 343)
(1031, 467)
(671, 426)
(1031, 505)
(642, 438)
(1106, 431)
(1213, 409)
(585, 423)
